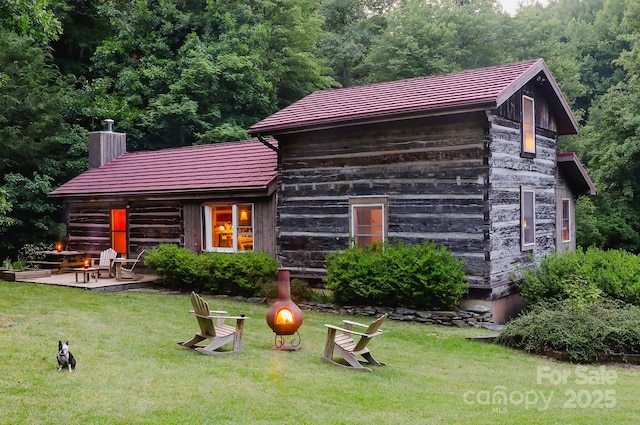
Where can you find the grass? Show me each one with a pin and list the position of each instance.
(131, 371)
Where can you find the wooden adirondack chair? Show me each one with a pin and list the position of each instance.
(347, 348)
(124, 267)
(105, 262)
(218, 332)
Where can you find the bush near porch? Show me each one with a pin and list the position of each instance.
(211, 272)
(423, 276)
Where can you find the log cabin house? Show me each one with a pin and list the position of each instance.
(209, 198)
(468, 160)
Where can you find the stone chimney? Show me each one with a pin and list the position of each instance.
(105, 146)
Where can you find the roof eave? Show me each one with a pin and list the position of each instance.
(262, 190)
(373, 118)
(570, 123)
(570, 162)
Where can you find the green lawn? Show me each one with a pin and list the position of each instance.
(131, 371)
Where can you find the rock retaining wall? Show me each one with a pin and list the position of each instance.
(476, 316)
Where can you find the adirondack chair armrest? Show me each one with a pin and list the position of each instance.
(350, 322)
(209, 316)
(349, 331)
(218, 312)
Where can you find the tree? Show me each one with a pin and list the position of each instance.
(32, 18)
(438, 37)
(40, 150)
(178, 73)
(350, 27)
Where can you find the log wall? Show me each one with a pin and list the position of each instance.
(431, 170)
(509, 172)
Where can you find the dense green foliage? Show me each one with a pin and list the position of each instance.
(423, 276)
(187, 72)
(583, 275)
(588, 332)
(241, 274)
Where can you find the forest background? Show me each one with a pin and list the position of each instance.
(178, 73)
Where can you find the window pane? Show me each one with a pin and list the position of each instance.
(230, 227)
(528, 126)
(368, 224)
(119, 230)
(566, 232)
(245, 227)
(528, 219)
(222, 230)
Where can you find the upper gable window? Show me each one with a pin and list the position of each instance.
(528, 125)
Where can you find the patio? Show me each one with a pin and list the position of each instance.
(101, 285)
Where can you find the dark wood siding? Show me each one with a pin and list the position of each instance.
(432, 172)
(149, 225)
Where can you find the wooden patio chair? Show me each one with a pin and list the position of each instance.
(126, 270)
(213, 327)
(348, 348)
(105, 262)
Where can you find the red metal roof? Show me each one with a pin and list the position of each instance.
(235, 166)
(476, 88)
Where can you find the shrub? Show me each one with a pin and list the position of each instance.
(587, 333)
(423, 276)
(612, 274)
(237, 274)
(177, 267)
(300, 290)
(216, 273)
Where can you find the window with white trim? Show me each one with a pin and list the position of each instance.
(228, 227)
(368, 220)
(566, 220)
(527, 218)
(528, 125)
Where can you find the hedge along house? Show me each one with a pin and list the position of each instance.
(216, 197)
(467, 160)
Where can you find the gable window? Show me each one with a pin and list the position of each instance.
(527, 218)
(368, 220)
(566, 220)
(228, 227)
(528, 125)
(119, 230)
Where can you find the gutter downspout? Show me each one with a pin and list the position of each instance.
(267, 144)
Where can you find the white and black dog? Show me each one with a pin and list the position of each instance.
(65, 358)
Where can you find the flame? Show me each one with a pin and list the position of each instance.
(284, 317)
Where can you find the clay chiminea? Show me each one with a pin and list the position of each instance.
(285, 317)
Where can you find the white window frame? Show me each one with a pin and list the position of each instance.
(566, 220)
(367, 202)
(528, 128)
(207, 243)
(524, 225)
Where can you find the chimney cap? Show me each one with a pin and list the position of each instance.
(109, 122)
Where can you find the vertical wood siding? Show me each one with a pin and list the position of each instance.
(432, 171)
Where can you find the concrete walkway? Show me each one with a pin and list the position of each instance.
(103, 284)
